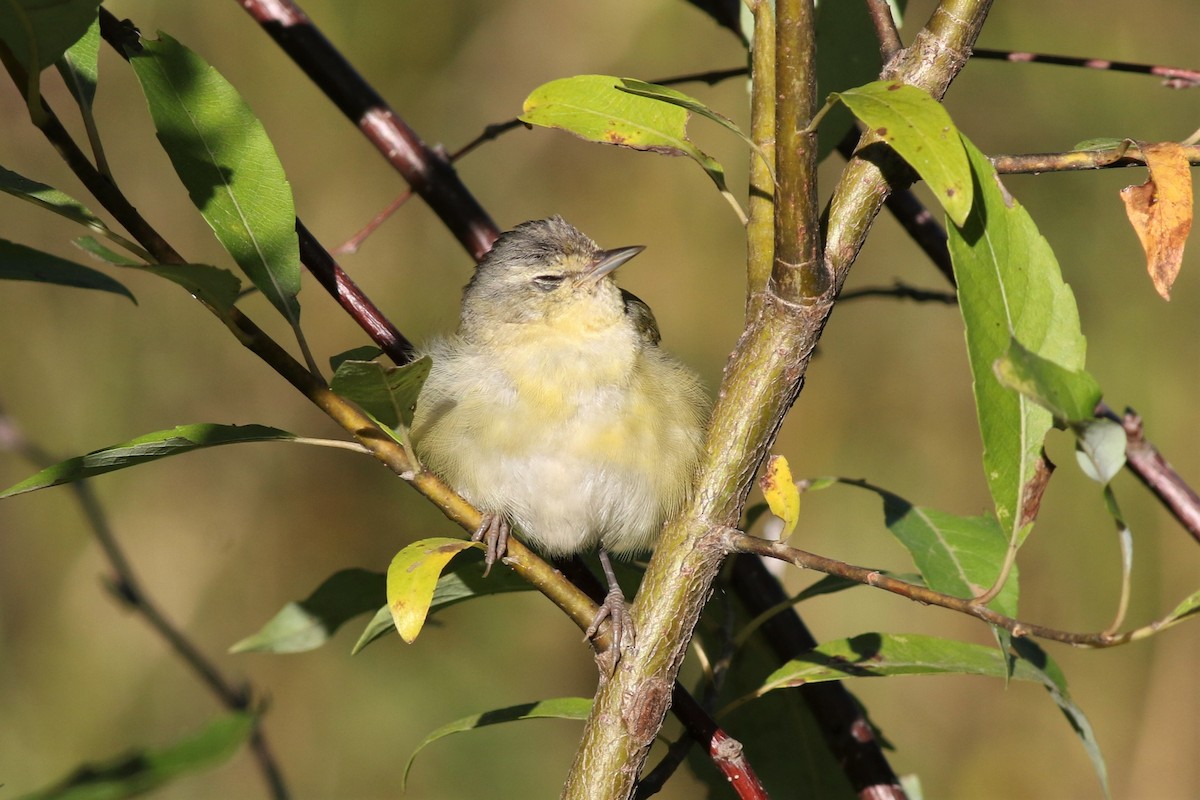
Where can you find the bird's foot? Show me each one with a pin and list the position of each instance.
(616, 611)
(493, 531)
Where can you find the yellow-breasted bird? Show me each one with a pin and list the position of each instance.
(553, 409)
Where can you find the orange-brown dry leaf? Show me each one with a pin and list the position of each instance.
(1161, 211)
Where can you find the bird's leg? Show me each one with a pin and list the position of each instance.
(493, 531)
(614, 609)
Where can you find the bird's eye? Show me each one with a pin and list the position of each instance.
(547, 282)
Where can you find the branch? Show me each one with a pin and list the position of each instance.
(885, 29)
(737, 542)
(426, 171)
(1156, 474)
(1125, 155)
(900, 291)
(1176, 77)
(127, 589)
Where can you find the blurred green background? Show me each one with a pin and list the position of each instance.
(223, 538)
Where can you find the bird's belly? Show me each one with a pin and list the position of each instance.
(572, 475)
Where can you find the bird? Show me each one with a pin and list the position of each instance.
(554, 411)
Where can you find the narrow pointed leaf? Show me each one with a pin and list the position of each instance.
(94, 248)
(878, 655)
(592, 107)
(1189, 607)
(367, 352)
(223, 157)
(79, 67)
(150, 447)
(21, 263)
(666, 94)
(143, 771)
(956, 555)
(1009, 286)
(572, 708)
(388, 393)
(309, 623)
(51, 199)
(1033, 658)
(921, 131)
(463, 581)
(413, 576)
(39, 32)
(781, 494)
(1070, 395)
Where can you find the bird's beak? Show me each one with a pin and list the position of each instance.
(608, 260)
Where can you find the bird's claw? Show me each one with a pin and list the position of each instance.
(616, 611)
(493, 531)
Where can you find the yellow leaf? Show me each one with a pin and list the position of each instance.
(781, 493)
(412, 577)
(1160, 211)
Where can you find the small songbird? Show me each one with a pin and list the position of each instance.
(552, 408)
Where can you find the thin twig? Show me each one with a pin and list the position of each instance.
(737, 542)
(1126, 155)
(1175, 77)
(901, 291)
(127, 589)
(885, 29)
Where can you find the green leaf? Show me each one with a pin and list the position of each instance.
(1032, 659)
(367, 352)
(308, 624)
(222, 155)
(51, 199)
(151, 447)
(1009, 286)
(1100, 449)
(573, 708)
(388, 393)
(956, 555)
(413, 576)
(217, 287)
(879, 655)
(921, 131)
(92, 247)
(464, 581)
(594, 108)
(143, 771)
(79, 67)
(675, 97)
(1189, 607)
(21, 263)
(38, 32)
(1070, 395)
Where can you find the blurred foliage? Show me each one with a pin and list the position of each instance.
(224, 538)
